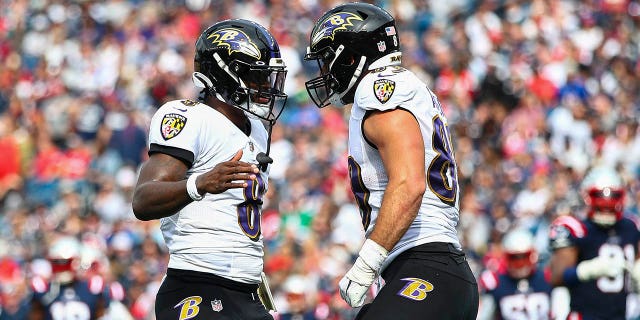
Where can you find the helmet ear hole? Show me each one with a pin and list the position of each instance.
(350, 60)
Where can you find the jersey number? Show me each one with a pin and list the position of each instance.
(441, 175)
(615, 284)
(249, 211)
(70, 310)
(525, 306)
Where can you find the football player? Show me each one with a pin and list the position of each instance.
(94, 264)
(521, 291)
(590, 255)
(14, 296)
(207, 174)
(66, 295)
(402, 169)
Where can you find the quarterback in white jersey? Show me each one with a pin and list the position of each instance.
(402, 170)
(221, 233)
(207, 173)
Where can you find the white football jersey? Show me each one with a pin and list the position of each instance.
(386, 89)
(221, 233)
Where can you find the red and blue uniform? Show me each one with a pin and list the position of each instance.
(78, 300)
(604, 297)
(525, 298)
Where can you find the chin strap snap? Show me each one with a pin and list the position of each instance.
(263, 158)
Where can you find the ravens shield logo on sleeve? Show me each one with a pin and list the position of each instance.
(383, 89)
(172, 125)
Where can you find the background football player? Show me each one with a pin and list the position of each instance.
(590, 255)
(402, 170)
(14, 301)
(207, 173)
(521, 290)
(67, 295)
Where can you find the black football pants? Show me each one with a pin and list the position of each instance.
(196, 295)
(430, 281)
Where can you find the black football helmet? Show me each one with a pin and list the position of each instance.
(347, 41)
(238, 62)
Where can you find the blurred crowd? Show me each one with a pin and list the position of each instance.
(536, 93)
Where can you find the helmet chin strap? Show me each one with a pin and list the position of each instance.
(263, 158)
(203, 82)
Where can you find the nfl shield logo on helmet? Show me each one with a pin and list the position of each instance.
(383, 89)
(172, 124)
(382, 46)
(216, 305)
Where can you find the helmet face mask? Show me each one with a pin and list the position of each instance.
(64, 257)
(261, 89)
(347, 41)
(604, 194)
(520, 254)
(605, 205)
(323, 87)
(522, 264)
(238, 62)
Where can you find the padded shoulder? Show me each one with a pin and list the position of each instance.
(575, 226)
(386, 88)
(564, 231)
(184, 105)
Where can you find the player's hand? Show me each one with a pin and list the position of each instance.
(354, 285)
(600, 266)
(227, 175)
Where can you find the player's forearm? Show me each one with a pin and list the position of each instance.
(399, 208)
(158, 199)
(556, 276)
(563, 265)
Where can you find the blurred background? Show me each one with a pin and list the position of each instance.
(536, 92)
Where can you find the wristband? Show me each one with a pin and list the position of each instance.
(570, 276)
(373, 254)
(192, 189)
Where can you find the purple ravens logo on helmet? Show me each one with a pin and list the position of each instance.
(334, 23)
(235, 41)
